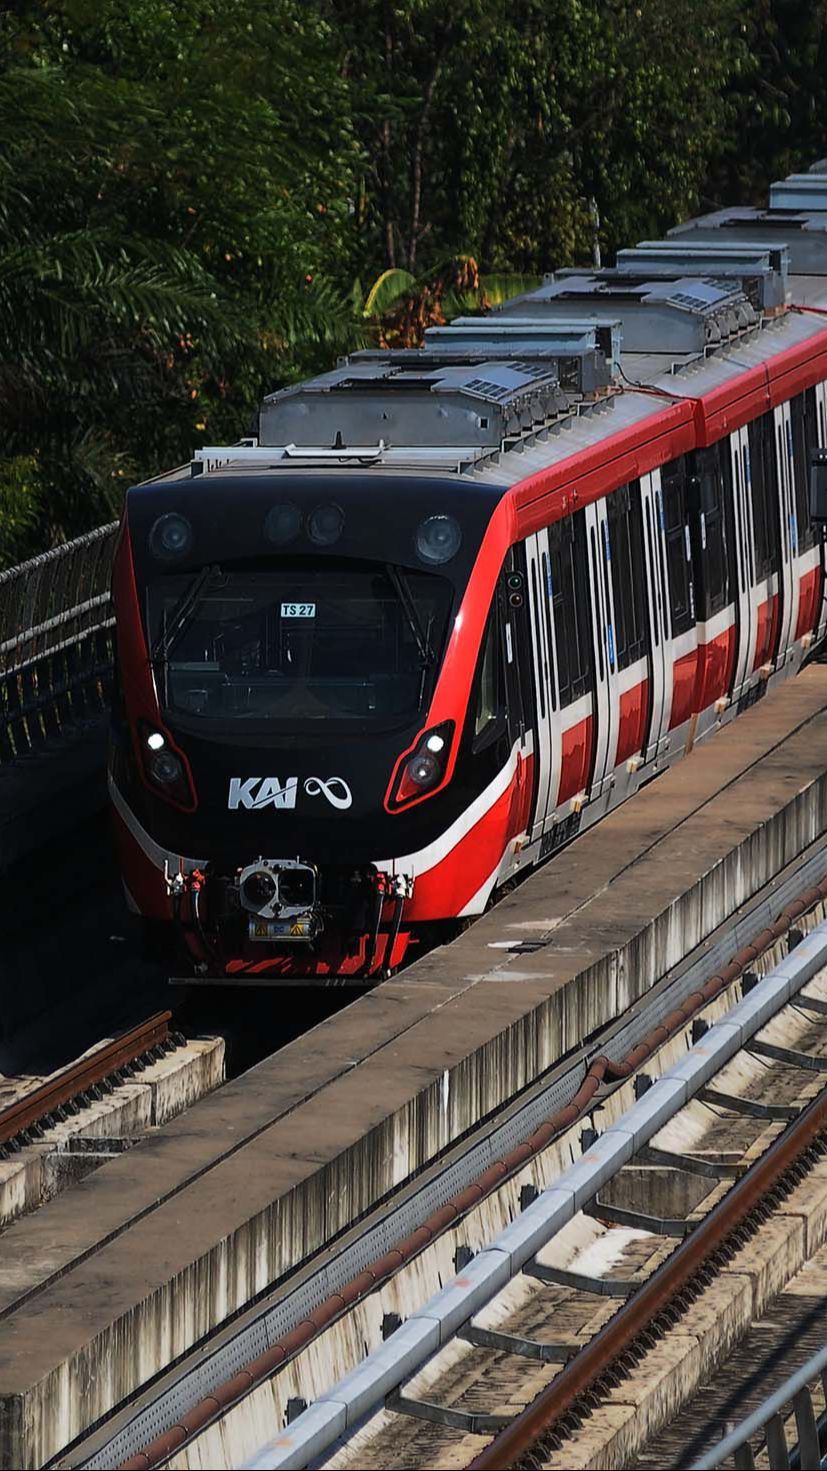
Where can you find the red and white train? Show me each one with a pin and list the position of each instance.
(454, 605)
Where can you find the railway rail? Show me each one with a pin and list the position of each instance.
(280, 1328)
(585, 1373)
(652, 1311)
(29, 1116)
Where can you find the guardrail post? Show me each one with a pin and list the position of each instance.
(809, 1455)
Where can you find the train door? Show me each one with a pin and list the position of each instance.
(681, 657)
(788, 545)
(572, 689)
(606, 682)
(547, 734)
(661, 693)
(517, 664)
(821, 442)
(770, 551)
(808, 568)
(743, 562)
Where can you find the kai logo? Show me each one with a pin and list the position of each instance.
(257, 792)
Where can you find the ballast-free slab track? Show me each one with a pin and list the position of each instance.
(110, 1283)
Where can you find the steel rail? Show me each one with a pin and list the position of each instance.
(26, 1117)
(602, 1071)
(650, 1312)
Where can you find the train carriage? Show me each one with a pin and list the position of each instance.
(454, 604)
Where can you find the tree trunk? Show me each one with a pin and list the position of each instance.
(416, 173)
(386, 187)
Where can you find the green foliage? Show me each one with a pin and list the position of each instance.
(173, 194)
(490, 126)
(192, 194)
(21, 510)
(778, 100)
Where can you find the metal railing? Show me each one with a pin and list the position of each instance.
(768, 1427)
(56, 641)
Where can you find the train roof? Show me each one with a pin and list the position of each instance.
(607, 364)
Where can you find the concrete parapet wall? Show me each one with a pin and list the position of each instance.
(236, 1438)
(165, 1088)
(187, 1230)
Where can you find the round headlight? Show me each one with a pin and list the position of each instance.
(325, 525)
(170, 537)
(165, 768)
(438, 539)
(423, 769)
(282, 524)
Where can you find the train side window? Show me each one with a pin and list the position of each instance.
(545, 577)
(628, 574)
(805, 440)
(764, 488)
(490, 695)
(707, 493)
(678, 546)
(538, 639)
(570, 603)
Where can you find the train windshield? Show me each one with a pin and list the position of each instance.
(306, 640)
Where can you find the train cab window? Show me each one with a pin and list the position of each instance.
(628, 574)
(708, 484)
(764, 490)
(570, 602)
(805, 439)
(309, 639)
(678, 546)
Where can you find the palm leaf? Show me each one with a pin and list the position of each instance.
(387, 291)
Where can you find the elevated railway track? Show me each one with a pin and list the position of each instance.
(742, 1172)
(403, 1239)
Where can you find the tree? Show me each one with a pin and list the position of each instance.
(498, 128)
(173, 193)
(777, 101)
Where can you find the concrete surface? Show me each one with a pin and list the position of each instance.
(163, 1090)
(106, 1286)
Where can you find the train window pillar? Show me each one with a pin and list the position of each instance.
(678, 546)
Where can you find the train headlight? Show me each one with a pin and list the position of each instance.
(421, 772)
(282, 524)
(438, 539)
(165, 771)
(325, 525)
(165, 768)
(170, 537)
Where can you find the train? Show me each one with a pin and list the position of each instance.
(451, 605)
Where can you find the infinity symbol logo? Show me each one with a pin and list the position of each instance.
(335, 789)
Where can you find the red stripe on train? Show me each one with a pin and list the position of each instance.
(633, 721)
(716, 661)
(576, 758)
(808, 602)
(452, 882)
(684, 681)
(767, 635)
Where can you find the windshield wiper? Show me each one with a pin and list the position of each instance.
(184, 611)
(420, 634)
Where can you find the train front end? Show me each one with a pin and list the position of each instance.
(297, 655)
